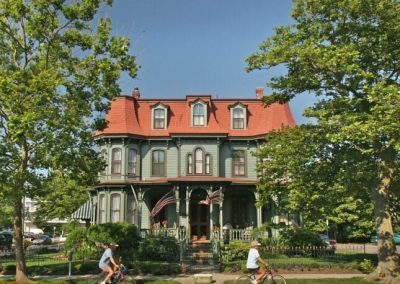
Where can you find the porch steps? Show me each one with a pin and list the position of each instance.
(199, 257)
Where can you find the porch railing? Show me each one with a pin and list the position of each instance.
(167, 232)
(240, 234)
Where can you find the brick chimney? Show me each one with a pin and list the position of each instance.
(136, 93)
(259, 93)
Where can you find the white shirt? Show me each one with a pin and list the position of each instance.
(105, 258)
(252, 259)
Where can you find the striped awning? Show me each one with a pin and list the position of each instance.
(84, 212)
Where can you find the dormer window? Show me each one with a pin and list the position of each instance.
(199, 112)
(238, 116)
(159, 116)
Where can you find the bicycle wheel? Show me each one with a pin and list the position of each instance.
(278, 279)
(244, 279)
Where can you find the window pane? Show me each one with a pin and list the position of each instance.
(131, 209)
(102, 209)
(198, 161)
(159, 118)
(198, 114)
(158, 163)
(104, 157)
(207, 164)
(132, 157)
(239, 163)
(115, 208)
(116, 161)
(238, 118)
(190, 164)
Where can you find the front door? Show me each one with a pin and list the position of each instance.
(199, 219)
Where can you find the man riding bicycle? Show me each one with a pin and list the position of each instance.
(106, 260)
(253, 259)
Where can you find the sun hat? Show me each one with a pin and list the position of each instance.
(255, 243)
(114, 244)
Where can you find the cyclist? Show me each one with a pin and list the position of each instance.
(106, 260)
(253, 261)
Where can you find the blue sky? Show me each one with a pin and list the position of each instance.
(199, 46)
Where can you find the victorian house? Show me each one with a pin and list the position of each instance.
(185, 162)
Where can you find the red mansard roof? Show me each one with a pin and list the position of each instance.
(131, 116)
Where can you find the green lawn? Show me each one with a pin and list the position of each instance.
(320, 281)
(89, 282)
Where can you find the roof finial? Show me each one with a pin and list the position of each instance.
(136, 93)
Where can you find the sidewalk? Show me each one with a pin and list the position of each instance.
(218, 278)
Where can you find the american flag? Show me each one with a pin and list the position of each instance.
(167, 199)
(215, 197)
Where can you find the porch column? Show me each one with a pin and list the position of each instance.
(259, 215)
(177, 206)
(221, 205)
(187, 211)
(211, 214)
(140, 204)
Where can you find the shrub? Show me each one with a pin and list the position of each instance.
(366, 266)
(235, 250)
(88, 243)
(159, 248)
(87, 267)
(299, 237)
(158, 268)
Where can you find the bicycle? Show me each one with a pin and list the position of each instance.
(269, 278)
(118, 277)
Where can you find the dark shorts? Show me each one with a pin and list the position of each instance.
(253, 270)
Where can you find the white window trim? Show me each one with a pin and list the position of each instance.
(163, 107)
(242, 107)
(192, 113)
(112, 209)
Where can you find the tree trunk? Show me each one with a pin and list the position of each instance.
(388, 269)
(20, 272)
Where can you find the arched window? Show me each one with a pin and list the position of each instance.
(239, 163)
(159, 118)
(116, 161)
(199, 114)
(158, 163)
(238, 118)
(132, 159)
(115, 207)
(189, 164)
(198, 161)
(103, 155)
(102, 209)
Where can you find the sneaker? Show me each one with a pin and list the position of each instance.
(102, 282)
(254, 282)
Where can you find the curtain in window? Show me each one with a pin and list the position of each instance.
(115, 208)
(198, 114)
(189, 164)
(159, 118)
(116, 161)
(208, 162)
(131, 209)
(158, 163)
(238, 163)
(198, 156)
(238, 118)
(132, 158)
